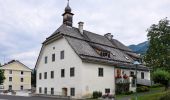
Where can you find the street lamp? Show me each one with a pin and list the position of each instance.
(136, 63)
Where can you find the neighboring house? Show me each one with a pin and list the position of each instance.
(18, 76)
(75, 62)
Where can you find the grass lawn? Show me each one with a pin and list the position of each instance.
(151, 96)
(154, 92)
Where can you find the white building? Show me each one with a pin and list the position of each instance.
(75, 62)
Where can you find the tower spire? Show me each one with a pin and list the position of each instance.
(68, 16)
(68, 2)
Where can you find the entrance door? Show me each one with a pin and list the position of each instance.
(10, 87)
(64, 91)
(22, 88)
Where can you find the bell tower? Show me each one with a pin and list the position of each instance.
(68, 16)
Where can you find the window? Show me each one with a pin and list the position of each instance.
(100, 72)
(62, 54)
(22, 88)
(52, 91)
(22, 73)
(40, 90)
(133, 82)
(45, 75)
(132, 73)
(107, 91)
(142, 75)
(62, 72)
(22, 79)
(10, 79)
(40, 76)
(53, 57)
(72, 71)
(72, 92)
(105, 54)
(52, 74)
(46, 60)
(45, 90)
(10, 72)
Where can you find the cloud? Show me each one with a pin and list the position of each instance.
(26, 23)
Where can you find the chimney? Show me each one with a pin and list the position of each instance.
(109, 36)
(81, 27)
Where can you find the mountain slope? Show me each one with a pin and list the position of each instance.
(140, 48)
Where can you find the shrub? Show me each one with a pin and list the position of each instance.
(5, 91)
(13, 92)
(107, 96)
(165, 97)
(129, 92)
(110, 96)
(97, 94)
(156, 85)
(142, 89)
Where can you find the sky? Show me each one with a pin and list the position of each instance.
(25, 24)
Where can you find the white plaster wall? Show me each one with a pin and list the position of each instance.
(92, 82)
(70, 60)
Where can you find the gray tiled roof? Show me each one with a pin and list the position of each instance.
(83, 45)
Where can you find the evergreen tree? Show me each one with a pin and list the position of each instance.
(158, 53)
(2, 77)
(33, 78)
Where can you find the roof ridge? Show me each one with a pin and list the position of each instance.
(96, 43)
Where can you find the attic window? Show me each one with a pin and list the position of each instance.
(103, 53)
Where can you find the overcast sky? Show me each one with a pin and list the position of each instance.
(24, 24)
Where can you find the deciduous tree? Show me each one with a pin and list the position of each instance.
(158, 53)
(162, 77)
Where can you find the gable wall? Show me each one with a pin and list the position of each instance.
(16, 83)
(16, 66)
(71, 59)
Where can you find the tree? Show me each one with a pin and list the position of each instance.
(33, 78)
(158, 53)
(162, 77)
(2, 77)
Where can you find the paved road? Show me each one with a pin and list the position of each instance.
(5, 97)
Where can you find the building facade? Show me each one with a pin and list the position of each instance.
(75, 62)
(18, 76)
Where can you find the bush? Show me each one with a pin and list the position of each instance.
(162, 77)
(13, 92)
(156, 85)
(129, 92)
(142, 89)
(111, 96)
(107, 96)
(165, 97)
(5, 91)
(97, 94)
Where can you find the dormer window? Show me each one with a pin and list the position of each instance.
(105, 54)
(101, 51)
